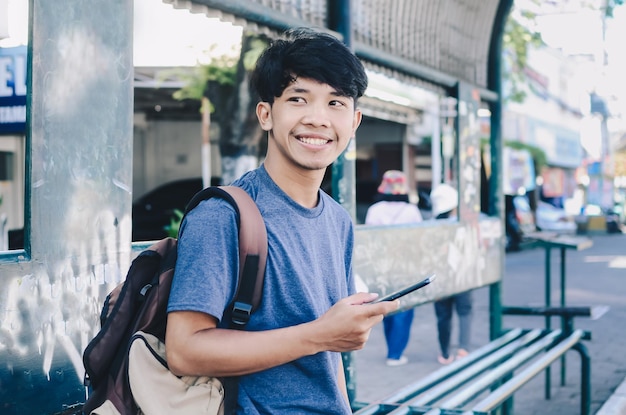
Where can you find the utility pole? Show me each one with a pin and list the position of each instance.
(602, 110)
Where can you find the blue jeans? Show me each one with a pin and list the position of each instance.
(397, 331)
(443, 309)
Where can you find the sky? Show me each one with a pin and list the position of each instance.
(163, 35)
(579, 32)
(183, 38)
(18, 24)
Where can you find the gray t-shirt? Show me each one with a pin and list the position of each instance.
(308, 270)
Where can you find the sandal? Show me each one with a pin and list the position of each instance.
(445, 361)
(461, 353)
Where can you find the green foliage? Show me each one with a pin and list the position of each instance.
(174, 226)
(519, 37)
(611, 5)
(222, 70)
(257, 46)
(517, 40)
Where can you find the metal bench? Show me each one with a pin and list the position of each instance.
(487, 378)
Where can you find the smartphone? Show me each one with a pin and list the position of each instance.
(406, 290)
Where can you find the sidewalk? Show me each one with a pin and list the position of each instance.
(616, 405)
(595, 276)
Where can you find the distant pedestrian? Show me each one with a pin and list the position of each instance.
(445, 200)
(393, 207)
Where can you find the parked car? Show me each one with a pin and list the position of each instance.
(554, 219)
(611, 217)
(153, 212)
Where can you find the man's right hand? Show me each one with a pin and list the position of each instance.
(347, 325)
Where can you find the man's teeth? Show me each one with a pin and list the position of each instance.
(313, 141)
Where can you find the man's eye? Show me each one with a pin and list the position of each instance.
(336, 103)
(296, 99)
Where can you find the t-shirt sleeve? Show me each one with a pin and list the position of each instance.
(207, 264)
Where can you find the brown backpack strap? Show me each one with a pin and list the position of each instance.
(252, 249)
(252, 256)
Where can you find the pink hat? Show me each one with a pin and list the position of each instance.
(394, 183)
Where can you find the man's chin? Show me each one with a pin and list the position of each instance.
(317, 167)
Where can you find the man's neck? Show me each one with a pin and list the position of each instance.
(301, 186)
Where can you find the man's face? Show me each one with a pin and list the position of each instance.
(309, 125)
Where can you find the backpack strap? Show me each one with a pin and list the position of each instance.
(252, 249)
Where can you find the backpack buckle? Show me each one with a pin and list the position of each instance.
(241, 314)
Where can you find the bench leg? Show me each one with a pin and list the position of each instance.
(507, 407)
(347, 359)
(585, 379)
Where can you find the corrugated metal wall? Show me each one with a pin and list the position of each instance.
(448, 37)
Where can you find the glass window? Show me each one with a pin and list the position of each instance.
(13, 57)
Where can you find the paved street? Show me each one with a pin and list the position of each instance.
(595, 276)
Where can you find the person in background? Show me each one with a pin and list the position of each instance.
(392, 208)
(445, 200)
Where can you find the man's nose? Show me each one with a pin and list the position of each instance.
(317, 115)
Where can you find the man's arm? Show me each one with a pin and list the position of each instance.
(196, 347)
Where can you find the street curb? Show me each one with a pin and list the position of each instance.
(616, 404)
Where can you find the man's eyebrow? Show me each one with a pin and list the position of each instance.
(302, 90)
(297, 89)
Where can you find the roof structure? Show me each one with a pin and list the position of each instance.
(436, 42)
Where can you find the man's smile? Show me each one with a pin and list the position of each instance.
(314, 140)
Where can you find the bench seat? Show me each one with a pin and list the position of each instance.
(487, 377)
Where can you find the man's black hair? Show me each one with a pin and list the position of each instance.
(306, 53)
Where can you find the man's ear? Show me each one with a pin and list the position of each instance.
(356, 121)
(264, 115)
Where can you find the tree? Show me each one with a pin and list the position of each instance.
(518, 38)
(221, 70)
(610, 6)
(240, 133)
(223, 89)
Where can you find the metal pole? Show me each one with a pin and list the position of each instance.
(496, 204)
(585, 379)
(548, 318)
(563, 367)
(344, 168)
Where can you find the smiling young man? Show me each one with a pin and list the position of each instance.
(287, 359)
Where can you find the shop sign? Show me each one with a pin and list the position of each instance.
(518, 171)
(13, 90)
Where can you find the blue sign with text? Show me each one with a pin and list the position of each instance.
(13, 90)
